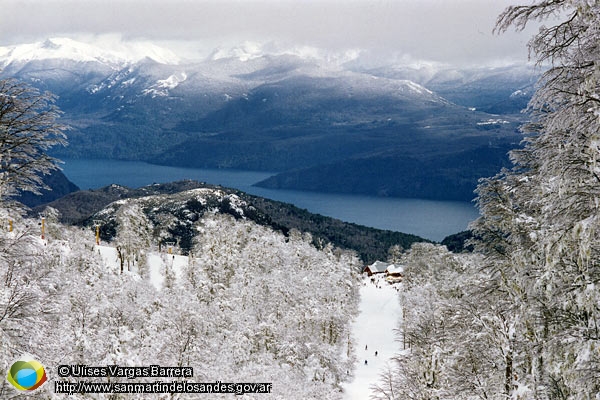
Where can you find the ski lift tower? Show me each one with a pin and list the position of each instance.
(97, 224)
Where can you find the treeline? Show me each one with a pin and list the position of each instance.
(371, 244)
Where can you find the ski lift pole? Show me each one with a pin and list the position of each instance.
(97, 225)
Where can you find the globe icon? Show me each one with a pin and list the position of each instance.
(26, 378)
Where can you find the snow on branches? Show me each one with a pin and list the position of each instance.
(28, 128)
(251, 305)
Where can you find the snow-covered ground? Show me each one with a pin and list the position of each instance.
(157, 263)
(374, 328)
(109, 255)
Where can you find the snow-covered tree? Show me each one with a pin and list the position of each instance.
(133, 234)
(28, 128)
(289, 303)
(455, 339)
(280, 313)
(521, 318)
(540, 226)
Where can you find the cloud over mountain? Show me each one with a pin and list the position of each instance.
(449, 31)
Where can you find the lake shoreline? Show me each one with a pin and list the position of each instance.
(430, 219)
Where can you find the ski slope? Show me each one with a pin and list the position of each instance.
(379, 314)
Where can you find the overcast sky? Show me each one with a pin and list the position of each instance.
(453, 31)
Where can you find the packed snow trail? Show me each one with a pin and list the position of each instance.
(157, 263)
(379, 314)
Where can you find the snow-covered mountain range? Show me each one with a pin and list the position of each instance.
(248, 61)
(267, 107)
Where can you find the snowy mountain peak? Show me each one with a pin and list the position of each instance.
(104, 50)
(50, 45)
(162, 86)
(244, 52)
(247, 51)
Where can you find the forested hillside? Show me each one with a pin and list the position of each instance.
(80, 208)
(251, 306)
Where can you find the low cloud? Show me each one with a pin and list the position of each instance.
(458, 31)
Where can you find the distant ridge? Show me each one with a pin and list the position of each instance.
(177, 199)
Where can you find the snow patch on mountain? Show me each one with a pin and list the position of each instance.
(114, 80)
(162, 86)
(519, 93)
(415, 87)
(493, 121)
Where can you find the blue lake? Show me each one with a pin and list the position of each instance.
(427, 218)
